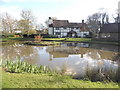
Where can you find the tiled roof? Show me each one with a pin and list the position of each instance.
(110, 28)
(75, 25)
(65, 23)
(60, 23)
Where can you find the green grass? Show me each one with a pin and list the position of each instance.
(89, 40)
(53, 39)
(67, 39)
(15, 80)
(78, 39)
(11, 40)
(16, 39)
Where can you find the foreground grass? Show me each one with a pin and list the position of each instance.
(26, 80)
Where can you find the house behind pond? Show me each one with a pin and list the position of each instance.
(109, 32)
(64, 28)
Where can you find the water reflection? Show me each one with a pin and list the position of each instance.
(68, 58)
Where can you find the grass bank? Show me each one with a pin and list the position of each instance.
(67, 39)
(88, 40)
(23, 75)
(11, 40)
(26, 80)
(15, 39)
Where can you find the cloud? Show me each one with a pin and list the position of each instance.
(72, 10)
(82, 9)
(12, 10)
(7, 1)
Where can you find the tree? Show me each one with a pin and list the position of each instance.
(24, 26)
(96, 20)
(8, 24)
(27, 21)
(116, 16)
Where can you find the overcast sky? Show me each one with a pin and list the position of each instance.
(72, 10)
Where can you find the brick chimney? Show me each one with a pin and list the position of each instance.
(83, 25)
(82, 21)
(50, 22)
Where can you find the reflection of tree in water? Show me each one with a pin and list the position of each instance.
(101, 72)
(117, 57)
(19, 50)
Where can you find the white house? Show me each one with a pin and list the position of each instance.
(64, 28)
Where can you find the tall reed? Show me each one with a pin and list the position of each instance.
(24, 67)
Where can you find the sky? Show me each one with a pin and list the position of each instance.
(72, 10)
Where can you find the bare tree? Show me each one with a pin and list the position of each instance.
(96, 20)
(93, 22)
(116, 16)
(8, 24)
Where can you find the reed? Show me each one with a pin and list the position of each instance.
(24, 67)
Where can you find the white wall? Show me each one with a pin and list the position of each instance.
(50, 30)
(65, 31)
(83, 34)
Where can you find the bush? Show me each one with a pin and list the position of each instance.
(11, 36)
(18, 33)
(25, 35)
(30, 36)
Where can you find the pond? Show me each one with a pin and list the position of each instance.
(81, 60)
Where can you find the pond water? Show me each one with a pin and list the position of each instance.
(81, 60)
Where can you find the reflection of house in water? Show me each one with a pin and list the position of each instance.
(76, 44)
(63, 51)
(106, 47)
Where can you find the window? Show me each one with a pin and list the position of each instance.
(72, 28)
(58, 33)
(57, 28)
